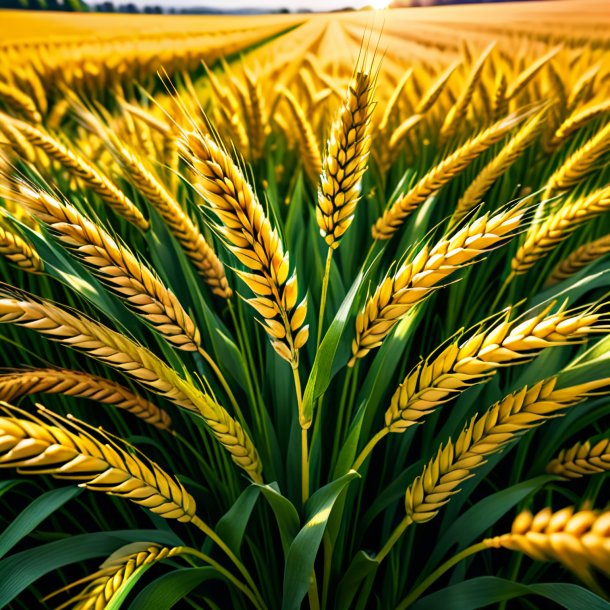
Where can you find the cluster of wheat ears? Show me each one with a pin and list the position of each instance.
(271, 273)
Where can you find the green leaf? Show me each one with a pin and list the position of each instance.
(361, 566)
(486, 590)
(167, 590)
(286, 514)
(34, 514)
(304, 548)
(232, 526)
(19, 571)
(116, 601)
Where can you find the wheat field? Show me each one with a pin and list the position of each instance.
(306, 310)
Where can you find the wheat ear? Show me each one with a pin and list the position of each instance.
(462, 365)
(19, 144)
(120, 352)
(525, 77)
(434, 91)
(579, 259)
(255, 243)
(458, 111)
(34, 446)
(345, 161)
(392, 102)
(256, 115)
(310, 149)
(81, 385)
(500, 103)
(581, 163)
(393, 218)
(484, 435)
(118, 267)
(578, 540)
(557, 227)
(577, 120)
(82, 169)
(513, 149)
(19, 252)
(182, 227)
(582, 459)
(17, 100)
(413, 281)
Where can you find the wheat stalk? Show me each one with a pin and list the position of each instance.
(578, 540)
(345, 161)
(34, 446)
(81, 385)
(120, 352)
(255, 243)
(510, 152)
(579, 259)
(462, 365)
(582, 459)
(85, 171)
(437, 177)
(20, 101)
(413, 281)
(557, 227)
(19, 252)
(484, 435)
(310, 149)
(118, 267)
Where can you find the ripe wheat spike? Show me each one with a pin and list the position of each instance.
(579, 540)
(255, 243)
(34, 446)
(16, 140)
(413, 281)
(182, 227)
(513, 149)
(394, 216)
(582, 257)
(519, 84)
(577, 120)
(433, 93)
(581, 163)
(82, 169)
(19, 252)
(582, 459)
(256, 115)
(114, 573)
(345, 161)
(310, 149)
(484, 435)
(392, 102)
(462, 365)
(118, 267)
(21, 102)
(557, 227)
(500, 103)
(81, 385)
(123, 354)
(458, 110)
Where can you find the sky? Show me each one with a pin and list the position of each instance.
(262, 4)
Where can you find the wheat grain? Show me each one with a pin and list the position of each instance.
(578, 540)
(557, 227)
(118, 267)
(19, 252)
(582, 459)
(120, 352)
(413, 281)
(462, 365)
(393, 218)
(484, 435)
(255, 243)
(33, 446)
(83, 170)
(345, 161)
(81, 385)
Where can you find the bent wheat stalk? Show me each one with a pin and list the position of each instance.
(582, 459)
(81, 385)
(393, 218)
(413, 281)
(120, 352)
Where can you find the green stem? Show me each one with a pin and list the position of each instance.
(369, 447)
(325, 280)
(223, 383)
(396, 534)
(208, 531)
(304, 447)
(416, 593)
(502, 290)
(339, 422)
